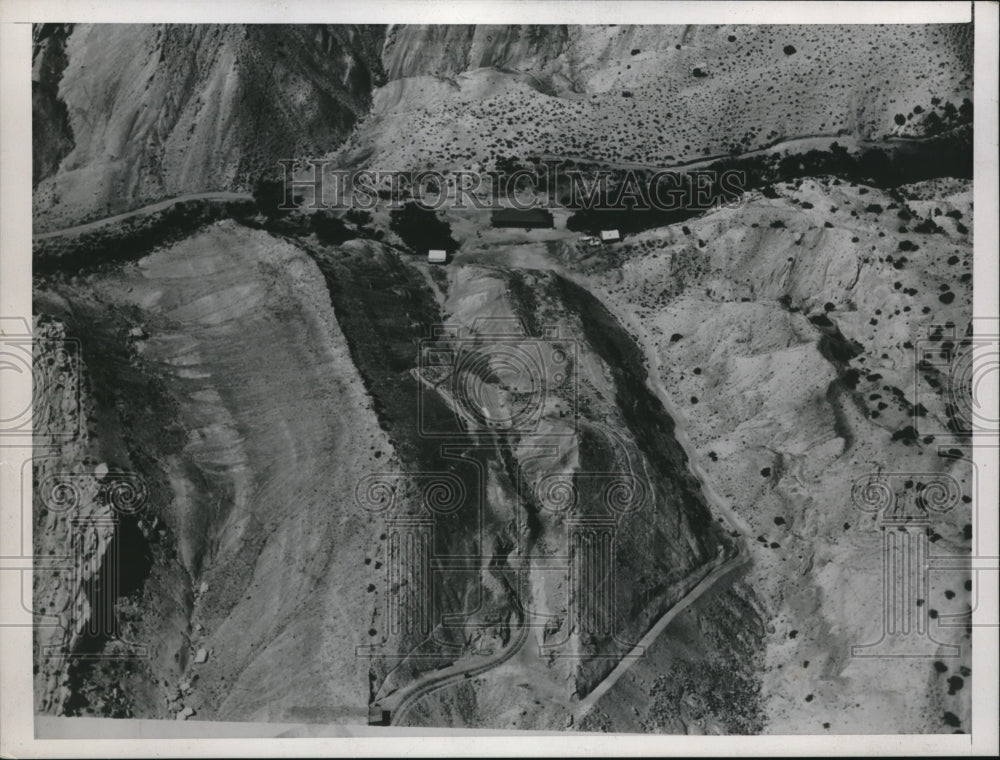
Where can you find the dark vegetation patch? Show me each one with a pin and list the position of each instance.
(329, 228)
(897, 163)
(133, 238)
(421, 229)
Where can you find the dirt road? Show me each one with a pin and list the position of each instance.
(152, 208)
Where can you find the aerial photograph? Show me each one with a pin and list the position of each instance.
(555, 378)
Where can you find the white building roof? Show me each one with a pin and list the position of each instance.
(437, 257)
(610, 235)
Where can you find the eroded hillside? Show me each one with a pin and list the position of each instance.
(790, 332)
(135, 113)
(377, 489)
(265, 513)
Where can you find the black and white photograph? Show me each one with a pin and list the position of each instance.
(454, 377)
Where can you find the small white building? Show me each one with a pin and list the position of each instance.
(437, 257)
(609, 236)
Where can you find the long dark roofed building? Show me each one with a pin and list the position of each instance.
(537, 218)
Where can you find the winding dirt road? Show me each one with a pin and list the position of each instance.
(399, 702)
(80, 229)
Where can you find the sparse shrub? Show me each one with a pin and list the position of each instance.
(907, 435)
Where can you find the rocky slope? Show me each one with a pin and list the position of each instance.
(738, 312)
(249, 473)
(133, 113)
(254, 503)
(708, 388)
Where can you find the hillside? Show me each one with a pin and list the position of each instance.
(151, 111)
(459, 97)
(382, 490)
(131, 114)
(782, 424)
